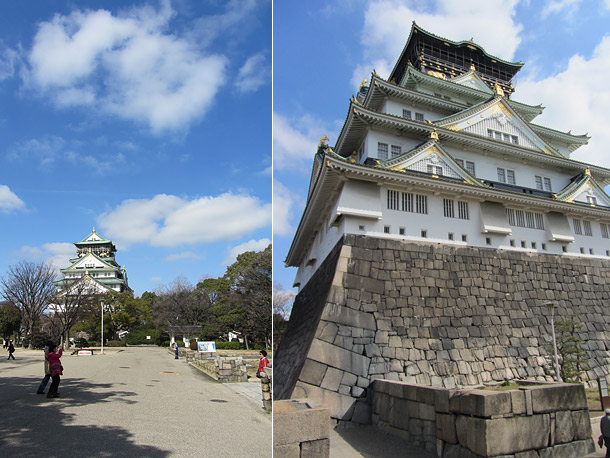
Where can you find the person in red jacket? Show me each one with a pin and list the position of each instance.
(264, 362)
(56, 370)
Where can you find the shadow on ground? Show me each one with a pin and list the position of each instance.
(34, 426)
(371, 442)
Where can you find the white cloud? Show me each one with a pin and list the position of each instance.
(387, 24)
(182, 256)
(167, 220)
(58, 254)
(126, 65)
(8, 62)
(45, 149)
(283, 208)
(253, 74)
(557, 6)
(155, 279)
(9, 201)
(251, 245)
(211, 27)
(295, 141)
(583, 105)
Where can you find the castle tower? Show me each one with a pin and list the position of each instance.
(435, 229)
(95, 263)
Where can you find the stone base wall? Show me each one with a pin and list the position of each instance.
(534, 421)
(223, 368)
(300, 431)
(434, 315)
(266, 384)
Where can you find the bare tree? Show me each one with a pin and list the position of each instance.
(29, 286)
(181, 304)
(75, 299)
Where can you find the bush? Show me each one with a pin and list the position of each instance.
(233, 345)
(165, 343)
(258, 346)
(115, 343)
(138, 337)
(81, 342)
(38, 339)
(193, 344)
(180, 343)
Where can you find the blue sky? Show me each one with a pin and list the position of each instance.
(150, 120)
(323, 50)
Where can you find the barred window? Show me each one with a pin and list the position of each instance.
(396, 151)
(407, 202)
(448, 208)
(463, 210)
(521, 218)
(393, 199)
(421, 204)
(604, 228)
(577, 227)
(406, 114)
(538, 182)
(419, 117)
(547, 184)
(586, 225)
(382, 150)
(468, 165)
(592, 200)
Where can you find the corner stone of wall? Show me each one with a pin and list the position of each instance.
(300, 430)
(466, 423)
(434, 315)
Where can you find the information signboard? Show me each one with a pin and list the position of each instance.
(206, 347)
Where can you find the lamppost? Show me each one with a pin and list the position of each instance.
(102, 350)
(551, 308)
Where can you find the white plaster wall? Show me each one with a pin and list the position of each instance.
(395, 107)
(375, 136)
(438, 226)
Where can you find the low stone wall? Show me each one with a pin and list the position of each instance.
(300, 431)
(223, 368)
(266, 384)
(539, 421)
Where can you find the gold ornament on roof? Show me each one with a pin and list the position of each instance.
(323, 141)
(472, 67)
(353, 158)
(434, 135)
(588, 171)
(363, 84)
(498, 90)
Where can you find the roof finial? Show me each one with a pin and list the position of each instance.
(94, 229)
(323, 141)
(472, 67)
(498, 90)
(363, 84)
(588, 171)
(434, 135)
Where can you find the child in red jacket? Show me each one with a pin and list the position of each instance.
(56, 370)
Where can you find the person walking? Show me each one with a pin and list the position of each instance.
(11, 350)
(263, 362)
(56, 370)
(604, 425)
(175, 350)
(47, 370)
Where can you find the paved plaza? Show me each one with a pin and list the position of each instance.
(132, 402)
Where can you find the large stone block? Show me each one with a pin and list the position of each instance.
(296, 422)
(339, 358)
(571, 450)
(339, 405)
(312, 372)
(315, 449)
(481, 403)
(332, 379)
(502, 436)
(562, 396)
(350, 317)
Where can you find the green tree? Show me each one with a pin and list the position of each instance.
(10, 320)
(127, 312)
(573, 357)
